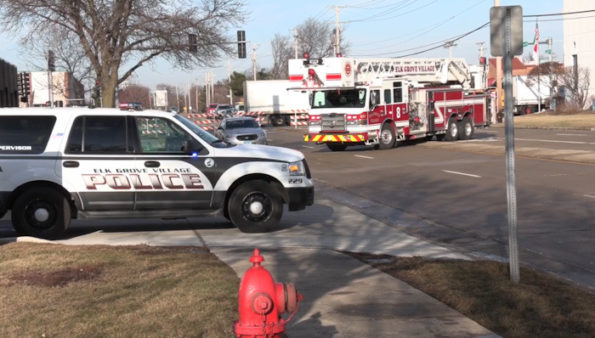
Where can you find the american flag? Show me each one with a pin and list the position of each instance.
(536, 45)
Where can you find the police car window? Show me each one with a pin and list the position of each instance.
(158, 135)
(25, 134)
(202, 134)
(98, 135)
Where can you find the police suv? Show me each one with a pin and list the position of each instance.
(65, 163)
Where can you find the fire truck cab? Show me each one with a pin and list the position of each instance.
(382, 101)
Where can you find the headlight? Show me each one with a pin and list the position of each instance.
(296, 169)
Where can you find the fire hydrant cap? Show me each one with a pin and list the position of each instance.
(256, 258)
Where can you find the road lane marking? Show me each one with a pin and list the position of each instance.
(590, 196)
(551, 141)
(307, 147)
(460, 173)
(366, 157)
(571, 134)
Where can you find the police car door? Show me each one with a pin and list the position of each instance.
(168, 176)
(97, 151)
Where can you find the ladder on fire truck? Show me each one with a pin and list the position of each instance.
(434, 70)
(345, 71)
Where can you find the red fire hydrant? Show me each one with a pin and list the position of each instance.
(261, 302)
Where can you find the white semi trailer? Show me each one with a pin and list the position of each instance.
(274, 102)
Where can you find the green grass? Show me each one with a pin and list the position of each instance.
(49, 290)
(539, 306)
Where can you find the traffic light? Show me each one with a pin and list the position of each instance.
(20, 84)
(192, 43)
(242, 44)
(51, 61)
(26, 86)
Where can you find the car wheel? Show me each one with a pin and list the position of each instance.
(41, 212)
(387, 137)
(255, 206)
(466, 129)
(452, 132)
(336, 146)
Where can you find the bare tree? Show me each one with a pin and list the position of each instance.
(136, 93)
(576, 84)
(282, 52)
(130, 32)
(555, 75)
(69, 56)
(316, 38)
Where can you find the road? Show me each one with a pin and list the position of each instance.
(449, 194)
(455, 193)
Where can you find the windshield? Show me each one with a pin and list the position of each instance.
(339, 98)
(204, 135)
(237, 124)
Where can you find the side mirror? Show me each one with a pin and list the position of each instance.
(373, 100)
(191, 146)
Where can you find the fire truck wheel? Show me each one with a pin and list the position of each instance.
(466, 129)
(452, 133)
(336, 146)
(387, 137)
(255, 206)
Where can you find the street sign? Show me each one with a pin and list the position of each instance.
(498, 27)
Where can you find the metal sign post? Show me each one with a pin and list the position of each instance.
(506, 25)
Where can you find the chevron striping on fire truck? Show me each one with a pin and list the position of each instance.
(381, 101)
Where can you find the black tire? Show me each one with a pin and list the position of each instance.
(387, 137)
(336, 146)
(41, 212)
(452, 131)
(277, 120)
(466, 129)
(255, 206)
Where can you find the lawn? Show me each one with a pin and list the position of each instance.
(50, 290)
(582, 120)
(539, 306)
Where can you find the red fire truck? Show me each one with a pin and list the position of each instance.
(382, 101)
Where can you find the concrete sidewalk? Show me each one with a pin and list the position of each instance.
(344, 297)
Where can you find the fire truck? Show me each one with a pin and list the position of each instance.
(382, 101)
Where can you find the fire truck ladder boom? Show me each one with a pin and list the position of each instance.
(433, 70)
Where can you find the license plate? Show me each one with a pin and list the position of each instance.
(247, 142)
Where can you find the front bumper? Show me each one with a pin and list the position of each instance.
(345, 138)
(300, 198)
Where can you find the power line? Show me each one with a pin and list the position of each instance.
(558, 14)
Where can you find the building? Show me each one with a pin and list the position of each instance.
(66, 90)
(8, 85)
(579, 39)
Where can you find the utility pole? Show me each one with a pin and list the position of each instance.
(337, 31)
(295, 42)
(207, 90)
(178, 99)
(197, 85)
(254, 46)
(481, 59)
(229, 81)
(498, 75)
(449, 45)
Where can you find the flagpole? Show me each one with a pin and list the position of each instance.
(538, 64)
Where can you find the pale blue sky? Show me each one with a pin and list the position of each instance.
(373, 28)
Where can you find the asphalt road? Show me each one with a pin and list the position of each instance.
(455, 193)
(450, 193)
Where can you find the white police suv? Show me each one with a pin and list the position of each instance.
(65, 163)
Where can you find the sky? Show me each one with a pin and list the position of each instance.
(372, 28)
